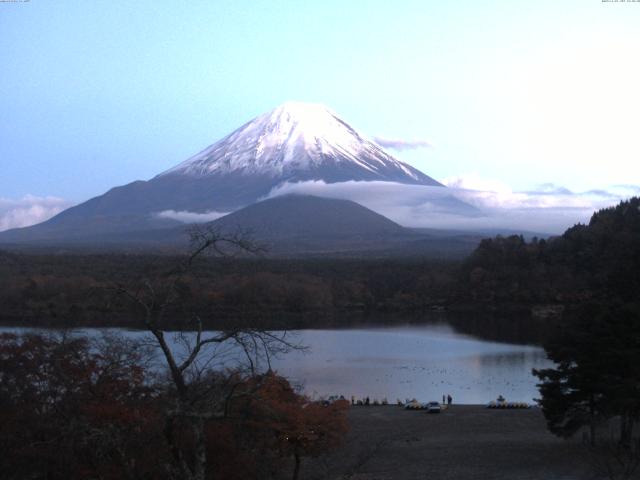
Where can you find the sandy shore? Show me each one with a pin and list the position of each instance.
(462, 442)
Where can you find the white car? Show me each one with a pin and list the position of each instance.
(433, 407)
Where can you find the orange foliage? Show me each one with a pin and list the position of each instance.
(72, 409)
(289, 423)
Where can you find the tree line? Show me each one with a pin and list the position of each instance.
(597, 344)
(73, 290)
(588, 262)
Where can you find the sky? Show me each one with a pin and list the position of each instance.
(506, 96)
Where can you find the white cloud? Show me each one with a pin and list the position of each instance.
(546, 210)
(551, 188)
(191, 217)
(475, 182)
(399, 144)
(625, 190)
(29, 210)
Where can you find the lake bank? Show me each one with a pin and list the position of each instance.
(76, 290)
(464, 442)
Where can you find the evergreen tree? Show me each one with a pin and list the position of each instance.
(573, 393)
(596, 377)
(597, 350)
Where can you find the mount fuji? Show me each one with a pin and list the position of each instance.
(295, 142)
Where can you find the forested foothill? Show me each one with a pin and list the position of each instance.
(588, 262)
(76, 290)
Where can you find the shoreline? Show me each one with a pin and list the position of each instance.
(463, 442)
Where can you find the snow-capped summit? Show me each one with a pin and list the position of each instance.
(299, 141)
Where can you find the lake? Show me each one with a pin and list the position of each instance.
(422, 362)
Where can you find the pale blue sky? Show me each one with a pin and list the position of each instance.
(97, 94)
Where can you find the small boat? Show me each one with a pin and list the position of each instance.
(413, 405)
(504, 404)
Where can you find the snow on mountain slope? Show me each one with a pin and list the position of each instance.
(294, 140)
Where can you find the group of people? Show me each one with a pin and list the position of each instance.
(446, 400)
(367, 401)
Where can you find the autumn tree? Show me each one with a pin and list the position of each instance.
(75, 408)
(198, 396)
(288, 422)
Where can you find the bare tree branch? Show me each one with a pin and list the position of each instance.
(200, 394)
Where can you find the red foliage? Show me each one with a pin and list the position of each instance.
(71, 408)
(69, 412)
(288, 424)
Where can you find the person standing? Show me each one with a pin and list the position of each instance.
(443, 399)
(449, 400)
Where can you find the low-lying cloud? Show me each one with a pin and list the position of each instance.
(29, 210)
(191, 217)
(400, 144)
(467, 203)
(549, 209)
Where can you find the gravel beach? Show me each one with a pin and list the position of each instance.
(462, 442)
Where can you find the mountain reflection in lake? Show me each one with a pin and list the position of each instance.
(423, 362)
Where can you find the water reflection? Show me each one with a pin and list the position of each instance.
(424, 362)
(499, 326)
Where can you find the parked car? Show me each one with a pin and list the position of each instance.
(433, 407)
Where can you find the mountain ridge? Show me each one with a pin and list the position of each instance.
(287, 226)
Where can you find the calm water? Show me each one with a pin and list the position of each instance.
(422, 362)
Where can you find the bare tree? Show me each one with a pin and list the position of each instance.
(200, 392)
